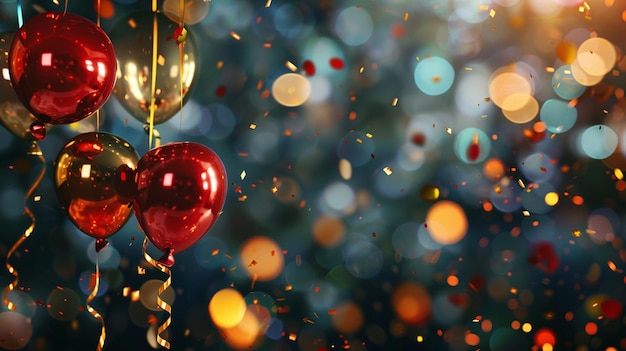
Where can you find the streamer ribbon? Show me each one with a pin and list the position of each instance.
(35, 151)
(162, 304)
(95, 282)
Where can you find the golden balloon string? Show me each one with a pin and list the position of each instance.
(162, 304)
(98, 9)
(35, 151)
(96, 286)
(181, 44)
(155, 47)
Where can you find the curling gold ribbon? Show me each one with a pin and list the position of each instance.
(92, 311)
(162, 304)
(35, 151)
(155, 47)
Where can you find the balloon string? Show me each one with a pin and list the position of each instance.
(98, 13)
(181, 24)
(162, 304)
(20, 15)
(92, 311)
(65, 9)
(98, 9)
(155, 46)
(35, 151)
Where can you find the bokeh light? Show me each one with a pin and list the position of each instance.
(598, 141)
(411, 303)
(434, 75)
(446, 222)
(227, 308)
(291, 89)
(261, 258)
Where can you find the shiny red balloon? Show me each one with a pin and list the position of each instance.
(63, 67)
(95, 182)
(181, 189)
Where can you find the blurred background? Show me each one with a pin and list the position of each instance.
(402, 175)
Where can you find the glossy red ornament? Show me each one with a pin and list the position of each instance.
(181, 189)
(63, 67)
(94, 182)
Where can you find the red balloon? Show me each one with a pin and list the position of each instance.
(92, 176)
(63, 67)
(181, 189)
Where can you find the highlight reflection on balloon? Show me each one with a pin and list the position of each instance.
(62, 67)
(13, 115)
(132, 37)
(181, 188)
(94, 182)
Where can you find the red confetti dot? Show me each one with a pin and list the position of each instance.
(397, 30)
(418, 139)
(220, 91)
(543, 255)
(611, 309)
(336, 63)
(309, 67)
(473, 151)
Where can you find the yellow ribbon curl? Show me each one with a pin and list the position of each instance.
(92, 311)
(35, 151)
(162, 304)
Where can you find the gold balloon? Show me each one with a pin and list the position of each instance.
(13, 115)
(132, 39)
(95, 182)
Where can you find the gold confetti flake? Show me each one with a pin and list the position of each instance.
(406, 16)
(550, 69)
(215, 252)
(520, 182)
(449, 130)
(37, 198)
(252, 126)
(359, 140)
(268, 3)
(291, 66)
(274, 189)
(612, 266)
(618, 173)
(361, 69)
(292, 337)
(369, 135)
(161, 60)
(576, 233)
(388, 170)
(235, 36)
(526, 213)
(492, 13)
(243, 175)
(141, 270)
(395, 102)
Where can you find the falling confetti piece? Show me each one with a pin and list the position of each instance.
(388, 170)
(242, 175)
(336, 63)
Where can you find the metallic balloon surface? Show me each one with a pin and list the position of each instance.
(62, 67)
(181, 189)
(13, 115)
(132, 38)
(95, 182)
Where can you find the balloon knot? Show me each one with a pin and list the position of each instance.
(168, 259)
